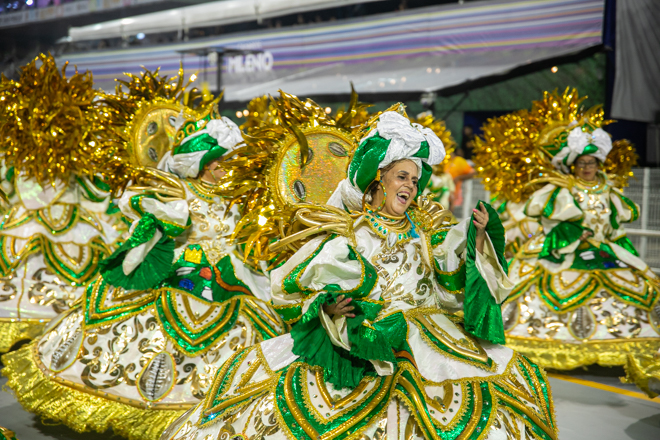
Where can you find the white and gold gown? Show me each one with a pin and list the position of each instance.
(52, 238)
(578, 302)
(134, 359)
(405, 367)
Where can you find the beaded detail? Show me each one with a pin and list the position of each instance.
(393, 231)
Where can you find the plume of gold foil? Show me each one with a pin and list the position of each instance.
(250, 180)
(51, 126)
(355, 116)
(131, 96)
(620, 162)
(513, 155)
(440, 129)
(261, 113)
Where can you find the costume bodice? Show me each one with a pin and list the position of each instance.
(211, 222)
(594, 201)
(406, 279)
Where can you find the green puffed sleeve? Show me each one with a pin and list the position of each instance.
(480, 277)
(144, 260)
(561, 219)
(317, 274)
(482, 312)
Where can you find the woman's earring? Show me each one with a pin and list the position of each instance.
(382, 204)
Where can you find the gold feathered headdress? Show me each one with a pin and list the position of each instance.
(514, 154)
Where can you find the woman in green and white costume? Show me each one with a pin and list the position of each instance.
(582, 294)
(171, 305)
(378, 345)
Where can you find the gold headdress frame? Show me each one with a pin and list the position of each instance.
(514, 154)
(290, 144)
(143, 116)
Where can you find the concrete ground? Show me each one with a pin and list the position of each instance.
(590, 405)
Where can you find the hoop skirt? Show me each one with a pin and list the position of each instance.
(52, 239)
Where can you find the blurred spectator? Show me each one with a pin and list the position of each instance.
(460, 170)
(467, 143)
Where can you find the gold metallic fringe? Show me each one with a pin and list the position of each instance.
(79, 411)
(17, 331)
(642, 369)
(6, 434)
(567, 356)
(51, 126)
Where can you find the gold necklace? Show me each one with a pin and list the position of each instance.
(391, 229)
(202, 189)
(594, 187)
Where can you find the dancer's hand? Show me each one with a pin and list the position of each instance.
(585, 235)
(480, 221)
(340, 308)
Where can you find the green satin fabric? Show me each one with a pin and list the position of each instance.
(156, 265)
(483, 316)
(559, 237)
(341, 368)
(170, 229)
(625, 243)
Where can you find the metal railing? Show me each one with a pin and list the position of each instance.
(643, 189)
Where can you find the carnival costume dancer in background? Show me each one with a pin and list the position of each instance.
(55, 230)
(377, 346)
(171, 304)
(582, 295)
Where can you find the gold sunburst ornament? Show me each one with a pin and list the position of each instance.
(144, 113)
(297, 155)
(51, 126)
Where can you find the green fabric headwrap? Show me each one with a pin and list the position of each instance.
(201, 143)
(371, 152)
